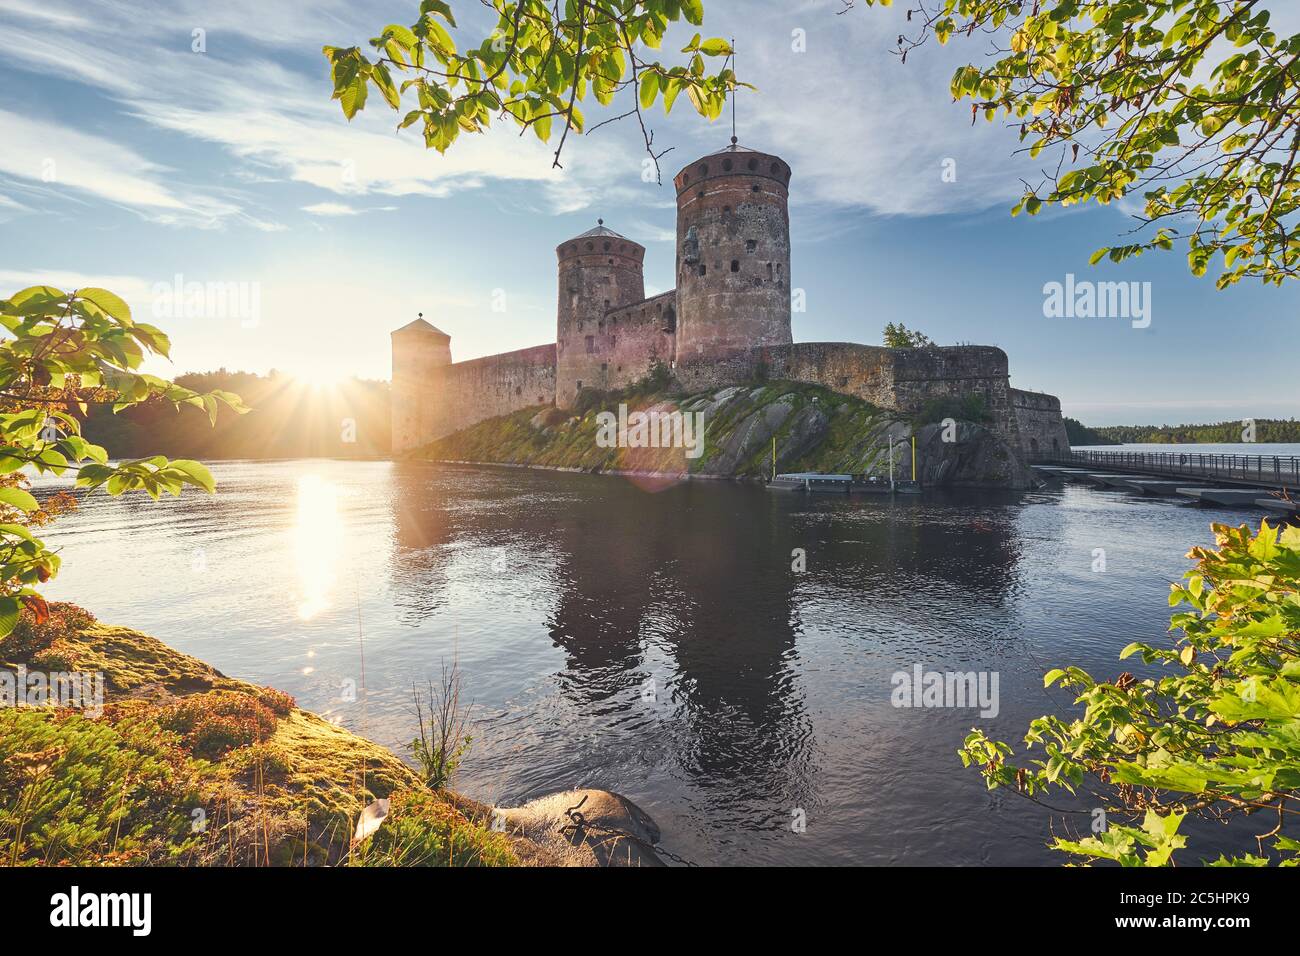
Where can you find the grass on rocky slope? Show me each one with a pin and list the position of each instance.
(188, 766)
(818, 430)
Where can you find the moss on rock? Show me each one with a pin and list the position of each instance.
(283, 787)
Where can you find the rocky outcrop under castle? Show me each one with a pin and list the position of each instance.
(749, 431)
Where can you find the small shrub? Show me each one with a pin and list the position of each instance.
(280, 703)
(271, 762)
(554, 416)
(442, 741)
(81, 791)
(591, 399)
(658, 379)
(422, 830)
(34, 633)
(215, 722)
(59, 656)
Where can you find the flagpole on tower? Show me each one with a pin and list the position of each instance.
(734, 91)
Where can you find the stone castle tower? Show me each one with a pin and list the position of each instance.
(727, 321)
(419, 350)
(599, 271)
(733, 255)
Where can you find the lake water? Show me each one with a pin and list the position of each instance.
(563, 596)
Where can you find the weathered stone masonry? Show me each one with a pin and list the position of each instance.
(727, 321)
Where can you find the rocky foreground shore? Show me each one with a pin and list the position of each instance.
(179, 764)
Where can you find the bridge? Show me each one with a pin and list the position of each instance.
(1267, 482)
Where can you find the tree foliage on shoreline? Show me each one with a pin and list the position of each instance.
(288, 419)
(1266, 430)
(538, 66)
(1217, 735)
(63, 353)
(1194, 104)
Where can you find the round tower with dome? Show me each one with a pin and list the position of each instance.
(598, 271)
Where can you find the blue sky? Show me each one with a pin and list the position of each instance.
(127, 159)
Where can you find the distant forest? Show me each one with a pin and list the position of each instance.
(289, 419)
(1266, 430)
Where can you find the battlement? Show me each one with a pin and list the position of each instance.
(730, 163)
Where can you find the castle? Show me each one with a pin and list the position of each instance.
(727, 321)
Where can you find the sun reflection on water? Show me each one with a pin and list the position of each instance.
(318, 538)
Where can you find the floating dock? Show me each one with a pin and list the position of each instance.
(811, 481)
(1228, 497)
(1235, 496)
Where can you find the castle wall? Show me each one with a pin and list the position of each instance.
(637, 336)
(904, 380)
(924, 375)
(1042, 428)
(456, 396)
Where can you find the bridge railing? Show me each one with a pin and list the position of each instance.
(1281, 470)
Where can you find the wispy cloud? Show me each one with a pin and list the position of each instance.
(331, 209)
(280, 122)
(133, 289)
(60, 156)
(860, 129)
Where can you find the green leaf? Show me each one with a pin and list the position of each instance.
(9, 611)
(17, 498)
(196, 473)
(108, 302)
(649, 89)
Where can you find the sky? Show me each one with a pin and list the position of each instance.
(131, 160)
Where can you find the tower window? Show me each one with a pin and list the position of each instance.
(751, 246)
(612, 340)
(753, 165)
(726, 165)
(735, 265)
(591, 345)
(769, 272)
(703, 269)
